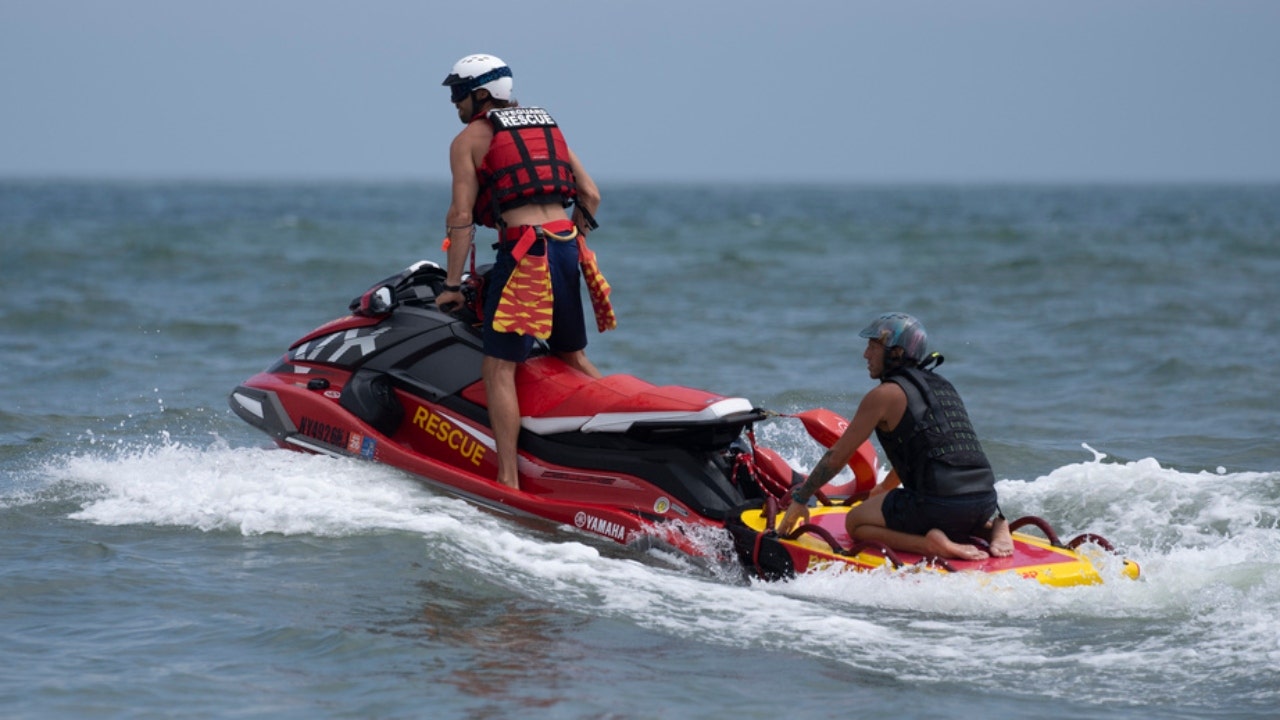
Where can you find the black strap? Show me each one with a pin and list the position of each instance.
(586, 215)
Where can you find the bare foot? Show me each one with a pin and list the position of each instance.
(1001, 538)
(513, 484)
(943, 547)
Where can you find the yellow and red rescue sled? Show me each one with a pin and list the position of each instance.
(823, 541)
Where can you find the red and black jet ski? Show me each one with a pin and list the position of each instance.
(398, 381)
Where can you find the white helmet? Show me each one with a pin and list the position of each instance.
(479, 71)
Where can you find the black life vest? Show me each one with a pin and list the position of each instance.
(527, 162)
(934, 447)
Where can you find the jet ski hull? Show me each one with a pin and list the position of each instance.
(398, 382)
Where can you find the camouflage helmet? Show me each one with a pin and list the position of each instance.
(897, 329)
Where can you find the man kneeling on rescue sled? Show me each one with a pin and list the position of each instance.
(940, 492)
(513, 171)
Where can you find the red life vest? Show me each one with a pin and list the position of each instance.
(527, 162)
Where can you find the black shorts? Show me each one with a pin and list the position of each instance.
(568, 326)
(959, 516)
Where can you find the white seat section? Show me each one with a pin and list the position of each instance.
(622, 421)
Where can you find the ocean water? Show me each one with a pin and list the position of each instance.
(159, 558)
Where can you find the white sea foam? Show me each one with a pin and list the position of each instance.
(1208, 545)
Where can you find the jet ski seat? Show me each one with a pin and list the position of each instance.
(555, 398)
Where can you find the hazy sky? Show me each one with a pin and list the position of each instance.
(831, 90)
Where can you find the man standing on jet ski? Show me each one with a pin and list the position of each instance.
(941, 490)
(513, 171)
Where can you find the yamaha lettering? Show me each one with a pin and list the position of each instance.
(508, 118)
(600, 526)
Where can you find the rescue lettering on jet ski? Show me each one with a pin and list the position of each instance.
(600, 526)
(324, 432)
(446, 432)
